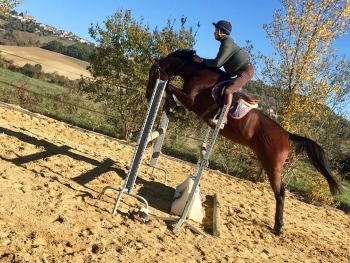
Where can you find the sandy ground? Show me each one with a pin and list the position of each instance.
(51, 175)
(50, 61)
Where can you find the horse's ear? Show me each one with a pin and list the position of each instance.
(153, 61)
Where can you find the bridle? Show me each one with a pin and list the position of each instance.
(170, 77)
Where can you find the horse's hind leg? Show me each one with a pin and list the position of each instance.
(279, 196)
(273, 165)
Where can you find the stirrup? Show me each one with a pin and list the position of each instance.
(215, 122)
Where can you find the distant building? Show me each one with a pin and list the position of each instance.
(81, 40)
(28, 18)
(41, 25)
(18, 17)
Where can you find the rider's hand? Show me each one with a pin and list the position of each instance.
(197, 59)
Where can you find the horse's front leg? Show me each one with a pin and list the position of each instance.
(186, 100)
(170, 104)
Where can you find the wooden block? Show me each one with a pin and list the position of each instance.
(216, 216)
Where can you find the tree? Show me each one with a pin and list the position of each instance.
(7, 5)
(54, 45)
(32, 71)
(14, 25)
(79, 51)
(311, 83)
(168, 39)
(306, 73)
(120, 65)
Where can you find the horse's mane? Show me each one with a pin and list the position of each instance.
(186, 54)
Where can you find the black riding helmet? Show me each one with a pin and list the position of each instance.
(224, 25)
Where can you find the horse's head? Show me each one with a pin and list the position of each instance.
(166, 68)
(156, 72)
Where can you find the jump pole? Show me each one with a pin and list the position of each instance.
(197, 176)
(140, 148)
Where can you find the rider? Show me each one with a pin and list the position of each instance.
(235, 60)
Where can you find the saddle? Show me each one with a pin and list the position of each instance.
(218, 96)
(242, 102)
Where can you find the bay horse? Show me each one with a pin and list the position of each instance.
(268, 140)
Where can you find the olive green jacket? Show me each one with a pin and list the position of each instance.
(230, 55)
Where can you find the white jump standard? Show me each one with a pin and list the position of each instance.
(140, 148)
(201, 164)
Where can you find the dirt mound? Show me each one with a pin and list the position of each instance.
(51, 175)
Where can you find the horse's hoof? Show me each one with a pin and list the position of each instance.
(172, 104)
(181, 110)
(277, 231)
(170, 116)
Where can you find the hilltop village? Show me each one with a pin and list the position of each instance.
(64, 34)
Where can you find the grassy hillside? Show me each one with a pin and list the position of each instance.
(52, 100)
(47, 39)
(70, 67)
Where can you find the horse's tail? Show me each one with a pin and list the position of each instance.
(318, 158)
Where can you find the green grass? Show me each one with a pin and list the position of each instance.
(344, 198)
(12, 77)
(34, 85)
(47, 39)
(304, 173)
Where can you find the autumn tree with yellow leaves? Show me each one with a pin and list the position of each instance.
(8, 5)
(310, 80)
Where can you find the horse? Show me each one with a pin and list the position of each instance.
(267, 139)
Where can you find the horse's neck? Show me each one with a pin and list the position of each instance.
(195, 94)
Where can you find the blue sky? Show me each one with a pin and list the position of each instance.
(246, 17)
